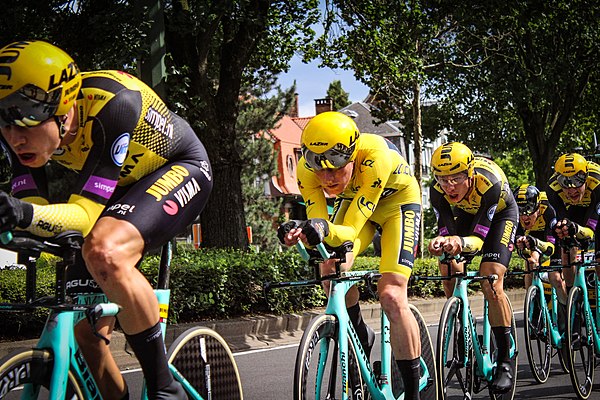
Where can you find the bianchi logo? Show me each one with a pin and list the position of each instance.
(118, 151)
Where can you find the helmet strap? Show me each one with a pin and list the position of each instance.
(62, 131)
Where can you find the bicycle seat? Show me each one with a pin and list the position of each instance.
(28, 243)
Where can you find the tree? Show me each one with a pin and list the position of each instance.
(391, 45)
(216, 48)
(338, 95)
(260, 113)
(534, 63)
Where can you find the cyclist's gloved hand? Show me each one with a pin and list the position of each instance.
(14, 212)
(565, 228)
(286, 227)
(532, 243)
(316, 230)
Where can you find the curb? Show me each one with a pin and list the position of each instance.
(261, 332)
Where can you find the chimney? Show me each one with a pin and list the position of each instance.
(322, 105)
(294, 108)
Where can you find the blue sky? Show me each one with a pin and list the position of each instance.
(312, 83)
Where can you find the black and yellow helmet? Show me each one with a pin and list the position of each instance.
(37, 81)
(452, 158)
(571, 170)
(528, 199)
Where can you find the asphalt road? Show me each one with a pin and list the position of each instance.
(267, 374)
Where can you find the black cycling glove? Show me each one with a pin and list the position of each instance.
(14, 213)
(286, 227)
(570, 225)
(316, 230)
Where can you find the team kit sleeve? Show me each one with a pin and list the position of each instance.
(312, 192)
(99, 176)
(443, 212)
(374, 178)
(483, 219)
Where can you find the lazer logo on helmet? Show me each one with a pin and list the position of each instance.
(66, 75)
(319, 143)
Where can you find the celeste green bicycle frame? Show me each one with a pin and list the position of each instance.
(336, 306)
(481, 344)
(58, 336)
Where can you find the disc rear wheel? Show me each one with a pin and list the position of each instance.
(204, 359)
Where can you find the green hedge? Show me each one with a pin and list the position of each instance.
(218, 283)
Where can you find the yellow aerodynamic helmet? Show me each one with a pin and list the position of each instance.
(452, 158)
(571, 170)
(329, 140)
(37, 81)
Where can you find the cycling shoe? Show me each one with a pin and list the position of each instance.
(503, 378)
(173, 391)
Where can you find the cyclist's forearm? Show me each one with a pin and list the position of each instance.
(79, 214)
(583, 232)
(471, 244)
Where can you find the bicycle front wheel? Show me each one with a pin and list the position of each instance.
(580, 344)
(454, 353)
(317, 373)
(32, 366)
(537, 335)
(204, 359)
(428, 371)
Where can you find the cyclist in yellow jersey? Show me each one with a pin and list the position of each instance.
(143, 177)
(476, 211)
(374, 189)
(574, 192)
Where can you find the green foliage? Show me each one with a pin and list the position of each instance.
(260, 113)
(338, 95)
(517, 167)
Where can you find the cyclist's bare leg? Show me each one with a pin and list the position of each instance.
(557, 281)
(404, 330)
(328, 267)
(405, 337)
(528, 279)
(111, 251)
(499, 310)
(568, 257)
(99, 358)
(448, 285)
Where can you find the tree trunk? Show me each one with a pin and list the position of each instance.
(223, 224)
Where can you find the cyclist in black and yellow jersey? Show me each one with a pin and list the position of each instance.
(534, 233)
(476, 211)
(535, 239)
(574, 192)
(143, 177)
(374, 188)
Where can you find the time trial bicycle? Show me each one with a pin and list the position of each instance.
(543, 338)
(331, 362)
(55, 368)
(583, 338)
(465, 357)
